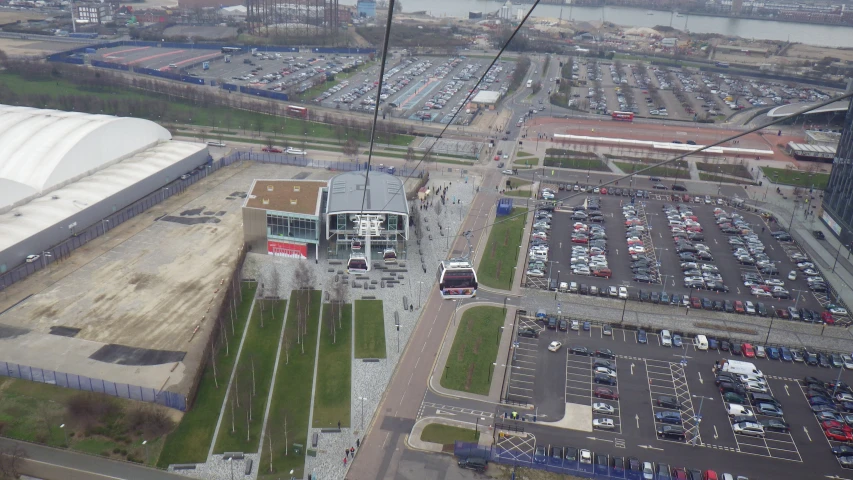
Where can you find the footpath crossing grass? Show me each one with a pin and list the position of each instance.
(291, 401)
(665, 172)
(796, 178)
(448, 434)
(593, 164)
(475, 348)
(334, 369)
(369, 329)
(190, 442)
(501, 252)
(252, 381)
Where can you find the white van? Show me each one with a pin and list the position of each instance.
(700, 342)
(740, 368)
(665, 338)
(213, 143)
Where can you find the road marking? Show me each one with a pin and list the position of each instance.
(600, 439)
(637, 418)
(439, 412)
(807, 433)
(619, 443)
(786, 390)
(632, 368)
(716, 435)
(700, 378)
(649, 447)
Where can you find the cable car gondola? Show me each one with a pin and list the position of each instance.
(356, 245)
(390, 255)
(357, 264)
(457, 279)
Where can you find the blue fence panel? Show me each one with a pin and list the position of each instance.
(229, 86)
(342, 50)
(116, 66)
(264, 93)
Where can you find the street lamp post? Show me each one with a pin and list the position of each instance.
(104, 223)
(773, 311)
(362, 411)
(498, 335)
(62, 427)
(231, 466)
(492, 369)
(505, 299)
(145, 444)
(420, 284)
(796, 300)
(44, 256)
(455, 309)
(698, 416)
(558, 285)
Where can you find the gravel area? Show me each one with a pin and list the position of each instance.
(218, 469)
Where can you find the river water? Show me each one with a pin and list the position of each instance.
(824, 35)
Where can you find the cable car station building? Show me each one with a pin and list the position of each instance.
(287, 217)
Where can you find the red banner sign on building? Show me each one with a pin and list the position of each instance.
(285, 249)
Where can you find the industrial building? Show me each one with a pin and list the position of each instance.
(837, 208)
(64, 172)
(290, 217)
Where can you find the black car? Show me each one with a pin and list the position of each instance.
(671, 431)
(718, 305)
(736, 350)
(823, 360)
(570, 456)
(601, 464)
(563, 326)
(555, 455)
(528, 332)
(602, 363)
(579, 350)
(707, 304)
(474, 463)
(617, 465)
(687, 257)
(781, 295)
(725, 346)
(665, 401)
(764, 398)
(584, 290)
(642, 278)
(726, 387)
(605, 353)
(655, 297)
(604, 379)
(729, 306)
(552, 323)
(634, 467)
(842, 450)
(777, 425)
(810, 358)
(644, 296)
(812, 381)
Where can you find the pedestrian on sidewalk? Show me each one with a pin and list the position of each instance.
(352, 452)
(339, 424)
(358, 442)
(346, 452)
(345, 461)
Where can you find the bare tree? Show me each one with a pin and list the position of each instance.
(11, 460)
(410, 154)
(252, 360)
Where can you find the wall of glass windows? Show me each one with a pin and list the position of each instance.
(291, 226)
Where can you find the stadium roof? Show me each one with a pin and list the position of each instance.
(385, 193)
(51, 209)
(44, 149)
(783, 110)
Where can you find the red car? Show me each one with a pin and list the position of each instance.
(748, 351)
(695, 302)
(693, 228)
(602, 272)
(271, 150)
(603, 190)
(782, 313)
(604, 392)
(739, 307)
(838, 435)
(580, 240)
(827, 318)
(835, 425)
(679, 473)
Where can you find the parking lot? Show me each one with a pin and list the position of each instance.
(640, 255)
(660, 386)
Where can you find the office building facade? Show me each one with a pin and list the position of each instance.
(837, 206)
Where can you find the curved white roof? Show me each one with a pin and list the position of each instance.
(44, 149)
(783, 110)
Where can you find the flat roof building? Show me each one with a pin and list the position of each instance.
(486, 99)
(284, 217)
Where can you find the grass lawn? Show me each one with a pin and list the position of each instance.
(736, 170)
(332, 393)
(291, 401)
(502, 251)
(33, 411)
(797, 178)
(176, 110)
(528, 162)
(666, 172)
(447, 434)
(252, 383)
(190, 442)
(369, 329)
(475, 348)
(717, 178)
(577, 163)
(518, 182)
(518, 193)
(523, 154)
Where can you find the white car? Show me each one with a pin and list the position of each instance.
(606, 371)
(296, 151)
(760, 293)
(600, 407)
(586, 456)
(604, 423)
(665, 338)
(648, 471)
(749, 428)
(760, 352)
(508, 172)
(32, 258)
(535, 273)
(623, 292)
(636, 249)
(848, 362)
(837, 310)
(734, 410)
(576, 325)
(755, 387)
(613, 291)
(554, 346)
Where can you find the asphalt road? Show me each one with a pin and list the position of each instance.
(645, 372)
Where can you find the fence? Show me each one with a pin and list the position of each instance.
(264, 93)
(86, 384)
(520, 458)
(336, 166)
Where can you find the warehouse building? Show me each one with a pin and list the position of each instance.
(62, 173)
(837, 207)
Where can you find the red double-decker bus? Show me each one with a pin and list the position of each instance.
(297, 111)
(622, 116)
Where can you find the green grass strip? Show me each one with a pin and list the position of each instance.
(332, 393)
(499, 258)
(448, 434)
(291, 401)
(475, 347)
(240, 430)
(369, 329)
(797, 178)
(190, 442)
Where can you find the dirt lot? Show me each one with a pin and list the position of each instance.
(26, 48)
(813, 53)
(137, 295)
(9, 16)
